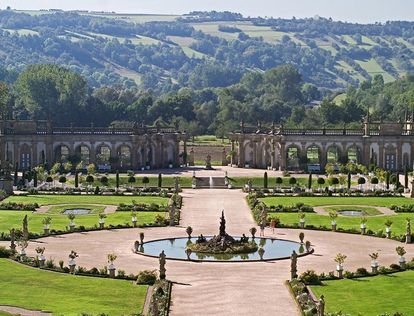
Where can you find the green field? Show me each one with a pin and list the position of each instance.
(370, 296)
(85, 199)
(324, 200)
(65, 294)
(13, 219)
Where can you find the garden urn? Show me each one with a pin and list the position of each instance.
(388, 231)
(101, 223)
(374, 266)
(401, 261)
(363, 228)
(340, 270)
(111, 269)
(72, 265)
(42, 260)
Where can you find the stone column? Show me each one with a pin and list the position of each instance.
(283, 156)
(241, 152)
(185, 152)
(381, 162)
(233, 151)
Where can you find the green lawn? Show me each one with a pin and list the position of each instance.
(347, 222)
(370, 296)
(85, 199)
(65, 294)
(13, 219)
(325, 200)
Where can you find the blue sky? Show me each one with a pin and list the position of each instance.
(363, 11)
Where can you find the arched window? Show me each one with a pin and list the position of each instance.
(332, 154)
(312, 155)
(124, 154)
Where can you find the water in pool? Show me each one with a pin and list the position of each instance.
(77, 211)
(174, 248)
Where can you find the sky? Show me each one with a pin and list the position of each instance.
(361, 11)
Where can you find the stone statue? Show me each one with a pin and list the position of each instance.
(224, 157)
(222, 225)
(13, 239)
(162, 265)
(208, 162)
(25, 228)
(172, 214)
(136, 245)
(249, 185)
(293, 265)
(321, 306)
(408, 232)
(177, 185)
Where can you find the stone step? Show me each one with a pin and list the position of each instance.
(210, 182)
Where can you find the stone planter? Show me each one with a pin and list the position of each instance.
(46, 230)
(42, 260)
(302, 223)
(388, 232)
(340, 270)
(72, 226)
(111, 269)
(363, 229)
(408, 238)
(134, 221)
(401, 261)
(333, 223)
(72, 265)
(101, 224)
(374, 266)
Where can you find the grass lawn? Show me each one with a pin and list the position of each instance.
(59, 209)
(13, 219)
(85, 199)
(347, 222)
(370, 296)
(65, 294)
(368, 211)
(325, 200)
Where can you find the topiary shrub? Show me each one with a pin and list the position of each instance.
(147, 277)
(310, 277)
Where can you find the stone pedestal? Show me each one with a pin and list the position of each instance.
(72, 268)
(101, 225)
(408, 238)
(374, 269)
(302, 224)
(334, 227)
(46, 231)
(340, 273)
(388, 233)
(42, 262)
(72, 228)
(363, 230)
(134, 223)
(111, 272)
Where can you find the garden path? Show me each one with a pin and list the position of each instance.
(220, 288)
(21, 311)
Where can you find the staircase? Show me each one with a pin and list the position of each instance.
(210, 183)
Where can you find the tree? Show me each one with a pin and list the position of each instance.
(117, 179)
(361, 182)
(76, 179)
(279, 181)
(51, 92)
(4, 94)
(310, 181)
(145, 181)
(159, 180)
(265, 180)
(91, 169)
(321, 182)
(292, 180)
(104, 180)
(62, 180)
(131, 179)
(90, 179)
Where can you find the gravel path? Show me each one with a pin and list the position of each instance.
(21, 311)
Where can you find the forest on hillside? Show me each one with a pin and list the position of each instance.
(204, 49)
(278, 96)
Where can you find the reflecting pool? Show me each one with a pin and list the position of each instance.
(175, 248)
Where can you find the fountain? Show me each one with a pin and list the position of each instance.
(211, 182)
(223, 243)
(222, 247)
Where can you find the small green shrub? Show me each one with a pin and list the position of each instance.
(147, 277)
(310, 277)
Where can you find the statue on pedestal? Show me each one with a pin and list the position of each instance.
(162, 265)
(293, 265)
(208, 162)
